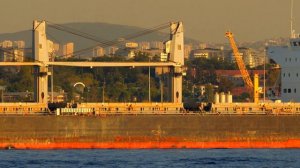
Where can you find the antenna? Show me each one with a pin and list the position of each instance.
(292, 19)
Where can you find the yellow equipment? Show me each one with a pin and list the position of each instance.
(242, 68)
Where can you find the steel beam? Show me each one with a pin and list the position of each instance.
(113, 64)
(20, 64)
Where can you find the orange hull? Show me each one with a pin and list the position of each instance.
(151, 145)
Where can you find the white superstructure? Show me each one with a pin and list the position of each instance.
(288, 57)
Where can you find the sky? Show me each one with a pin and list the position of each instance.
(204, 20)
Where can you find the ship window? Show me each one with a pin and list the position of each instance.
(289, 90)
(284, 90)
(295, 90)
(283, 74)
(289, 74)
(297, 74)
(285, 59)
(296, 59)
(290, 59)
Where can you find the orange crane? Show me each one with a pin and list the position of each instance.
(242, 68)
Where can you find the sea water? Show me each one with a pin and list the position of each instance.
(151, 158)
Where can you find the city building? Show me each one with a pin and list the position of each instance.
(236, 78)
(7, 44)
(130, 54)
(17, 96)
(20, 44)
(112, 50)
(248, 56)
(131, 45)
(261, 58)
(251, 57)
(153, 52)
(18, 55)
(163, 57)
(6, 55)
(12, 55)
(202, 46)
(157, 45)
(58, 97)
(144, 45)
(51, 53)
(56, 47)
(53, 49)
(99, 52)
(208, 53)
(187, 50)
(68, 50)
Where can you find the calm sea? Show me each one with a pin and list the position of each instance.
(151, 158)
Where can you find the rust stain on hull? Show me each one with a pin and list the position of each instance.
(149, 132)
(151, 145)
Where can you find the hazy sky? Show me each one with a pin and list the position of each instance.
(204, 20)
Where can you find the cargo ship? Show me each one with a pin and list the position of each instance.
(142, 125)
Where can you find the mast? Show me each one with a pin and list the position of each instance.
(292, 19)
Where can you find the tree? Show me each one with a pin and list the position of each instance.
(141, 57)
(209, 93)
(22, 81)
(244, 97)
(225, 85)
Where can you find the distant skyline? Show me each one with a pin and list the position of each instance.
(204, 20)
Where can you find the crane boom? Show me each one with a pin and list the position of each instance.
(239, 61)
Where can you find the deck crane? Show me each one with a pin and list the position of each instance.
(246, 77)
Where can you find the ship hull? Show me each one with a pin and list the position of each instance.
(149, 131)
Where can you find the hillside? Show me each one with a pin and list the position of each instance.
(101, 31)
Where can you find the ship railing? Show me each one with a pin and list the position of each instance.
(254, 108)
(23, 108)
(89, 111)
(123, 108)
(130, 108)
